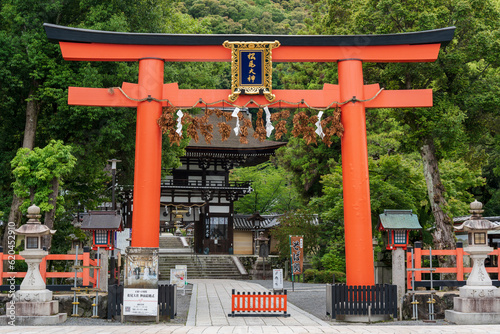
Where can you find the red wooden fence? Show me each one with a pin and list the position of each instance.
(257, 302)
(459, 270)
(84, 274)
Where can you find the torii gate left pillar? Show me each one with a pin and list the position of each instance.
(147, 171)
(348, 51)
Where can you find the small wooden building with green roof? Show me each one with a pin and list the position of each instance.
(398, 223)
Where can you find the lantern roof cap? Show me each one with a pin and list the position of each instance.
(33, 226)
(476, 221)
(398, 220)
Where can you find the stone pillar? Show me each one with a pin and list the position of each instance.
(103, 272)
(399, 271)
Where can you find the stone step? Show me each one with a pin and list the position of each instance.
(171, 242)
(200, 266)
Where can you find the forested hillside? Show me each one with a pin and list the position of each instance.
(431, 160)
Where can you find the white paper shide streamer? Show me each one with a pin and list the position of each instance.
(319, 129)
(235, 114)
(179, 122)
(269, 125)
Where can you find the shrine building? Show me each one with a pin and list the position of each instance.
(199, 193)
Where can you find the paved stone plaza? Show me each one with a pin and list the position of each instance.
(210, 306)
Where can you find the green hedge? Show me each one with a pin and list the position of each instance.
(323, 276)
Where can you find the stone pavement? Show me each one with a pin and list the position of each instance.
(211, 304)
(208, 314)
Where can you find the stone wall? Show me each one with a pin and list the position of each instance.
(66, 306)
(444, 301)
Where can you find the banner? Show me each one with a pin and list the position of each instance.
(296, 254)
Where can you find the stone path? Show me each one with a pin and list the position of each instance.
(211, 304)
(208, 314)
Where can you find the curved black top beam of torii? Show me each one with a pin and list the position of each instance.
(68, 34)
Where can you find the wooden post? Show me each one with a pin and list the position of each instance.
(1, 265)
(86, 271)
(43, 269)
(460, 261)
(417, 255)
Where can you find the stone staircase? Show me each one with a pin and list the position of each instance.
(200, 266)
(174, 252)
(173, 244)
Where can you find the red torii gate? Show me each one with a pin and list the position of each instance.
(152, 50)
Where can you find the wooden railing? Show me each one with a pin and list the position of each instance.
(206, 183)
(258, 304)
(84, 274)
(459, 270)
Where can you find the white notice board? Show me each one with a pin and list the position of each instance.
(140, 302)
(278, 279)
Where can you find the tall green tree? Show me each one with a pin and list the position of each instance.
(272, 191)
(33, 99)
(39, 174)
(446, 130)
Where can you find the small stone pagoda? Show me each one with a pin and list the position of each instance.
(479, 300)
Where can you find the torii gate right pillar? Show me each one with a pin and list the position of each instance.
(357, 211)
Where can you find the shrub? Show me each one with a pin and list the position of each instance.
(323, 276)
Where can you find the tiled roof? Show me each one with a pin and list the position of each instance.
(399, 220)
(241, 222)
(102, 220)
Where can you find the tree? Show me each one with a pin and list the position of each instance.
(272, 191)
(445, 130)
(296, 223)
(35, 78)
(39, 174)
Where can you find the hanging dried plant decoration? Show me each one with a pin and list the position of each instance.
(224, 130)
(168, 126)
(280, 128)
(332, 126)
(260, 130)
(303, 125)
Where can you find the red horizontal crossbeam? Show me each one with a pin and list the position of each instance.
(187, 98)
(218, 53)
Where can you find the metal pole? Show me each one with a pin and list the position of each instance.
(96, 300)
(75, 296)
(431, 298)
(113, 200)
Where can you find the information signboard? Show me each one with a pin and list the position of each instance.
(140, 302)
(178, 277)
(278, 279)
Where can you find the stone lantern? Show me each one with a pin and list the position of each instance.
(33, 231)
(34, 302)
(479, 300)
